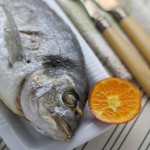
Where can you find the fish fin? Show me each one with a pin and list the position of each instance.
(13, 39)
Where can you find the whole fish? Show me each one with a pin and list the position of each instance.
(42, 72)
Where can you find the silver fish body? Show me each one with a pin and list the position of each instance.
(42, 72)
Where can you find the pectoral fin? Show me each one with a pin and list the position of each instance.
(13, 39)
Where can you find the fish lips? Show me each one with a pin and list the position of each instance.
(64, 126)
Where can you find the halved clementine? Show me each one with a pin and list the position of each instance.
(115, 100)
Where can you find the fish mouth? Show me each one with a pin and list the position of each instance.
(64, 127)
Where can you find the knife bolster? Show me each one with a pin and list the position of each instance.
(102, 24)
(119, 13)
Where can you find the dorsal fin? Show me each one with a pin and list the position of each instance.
(13, 39)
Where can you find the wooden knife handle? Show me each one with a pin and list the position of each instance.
(129, 56)
(137, 35)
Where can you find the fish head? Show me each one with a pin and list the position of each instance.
(53, 101)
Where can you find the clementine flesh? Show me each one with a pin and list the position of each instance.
(114, 100)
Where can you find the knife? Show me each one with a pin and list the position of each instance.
(121, 46)
(130, 26)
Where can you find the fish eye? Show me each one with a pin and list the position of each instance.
(70, 99)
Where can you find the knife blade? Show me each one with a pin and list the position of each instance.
(121, 46)
(94, 12)
(92, 9)
(130, 26)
